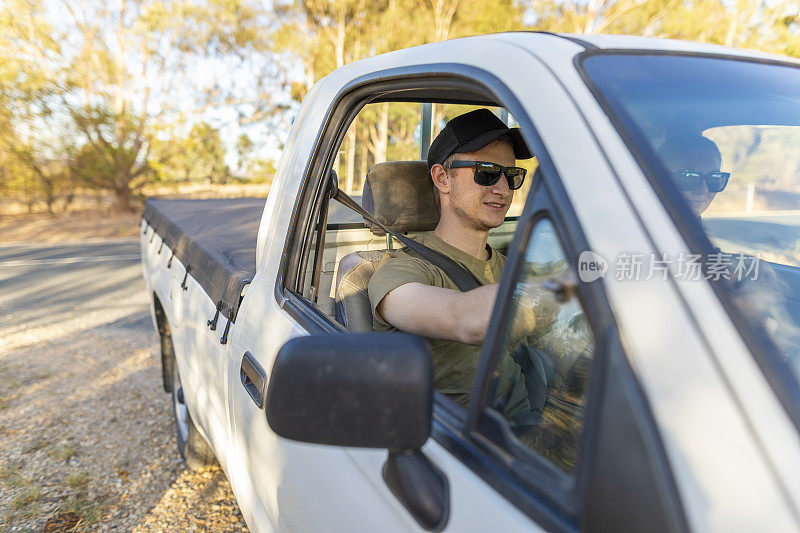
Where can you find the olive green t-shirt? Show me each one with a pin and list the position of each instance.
(454, 363)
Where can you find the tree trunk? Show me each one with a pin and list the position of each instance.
(383, 132)
(310, 76)
(443, 11)
(733, 29)
(437, 116)
(363, 166)
(340, 36)
(68, 199)
(3, 188)
(49, 195)
(351, 159)
(122, 200)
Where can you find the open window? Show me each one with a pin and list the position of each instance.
(380, 163)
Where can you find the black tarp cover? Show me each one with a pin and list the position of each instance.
(216, 239)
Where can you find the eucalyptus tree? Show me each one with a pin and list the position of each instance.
(31, 140)
(321, 35)
(144, 69)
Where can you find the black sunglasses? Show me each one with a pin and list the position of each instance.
(487, 174)
(689, 180)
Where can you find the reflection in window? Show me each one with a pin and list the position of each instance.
(553, 345)
(741, 118)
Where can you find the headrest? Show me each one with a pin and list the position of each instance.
(400, 195)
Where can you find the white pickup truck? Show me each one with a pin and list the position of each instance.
(674, 405)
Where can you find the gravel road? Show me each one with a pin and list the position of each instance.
(86, 430)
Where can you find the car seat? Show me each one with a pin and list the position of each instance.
(400, 195)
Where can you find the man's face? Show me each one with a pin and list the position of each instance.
(481, 207)
(700, 160)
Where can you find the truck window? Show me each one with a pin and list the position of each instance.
(386, 135)
(553, 344)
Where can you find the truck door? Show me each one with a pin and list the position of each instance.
(545, 471)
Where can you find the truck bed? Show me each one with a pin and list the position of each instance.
(214, 239)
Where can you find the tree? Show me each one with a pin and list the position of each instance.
(326, 34)
(244, 152)
(198, 157)
(120, 74)
(135, 64)
(31, 148)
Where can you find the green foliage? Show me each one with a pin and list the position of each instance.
(198, 157)
(76, 480)
(63, 453)
(260, 171)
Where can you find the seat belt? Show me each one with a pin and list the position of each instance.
(460, 276)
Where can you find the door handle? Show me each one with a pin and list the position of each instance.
(254, 379)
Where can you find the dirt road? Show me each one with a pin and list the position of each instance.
(86, 430)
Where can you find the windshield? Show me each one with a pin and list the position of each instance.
(723, 138)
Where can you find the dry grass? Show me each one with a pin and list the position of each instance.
(29, 497)
(9, 475)
(198, 190)
(67, 227)
(63, 453)
(77, 480)
(75, 513)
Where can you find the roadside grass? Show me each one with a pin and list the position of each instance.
(77, 479)
(43, 375)
(74, 514)
(26, 499)
(63, 453)
(8, 382)
(36, 445)
(26, 503)
(10, 476)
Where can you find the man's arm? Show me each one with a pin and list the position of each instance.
(440, 313)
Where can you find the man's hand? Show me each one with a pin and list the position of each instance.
(440, 313)
(536, 310)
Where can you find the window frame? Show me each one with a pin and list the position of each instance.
(401, 84)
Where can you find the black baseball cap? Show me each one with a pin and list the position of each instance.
(472, 131)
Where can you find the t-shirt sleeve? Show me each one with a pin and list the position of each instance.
(392, 273)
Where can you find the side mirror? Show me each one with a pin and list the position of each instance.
(359, 390)
(371, 390)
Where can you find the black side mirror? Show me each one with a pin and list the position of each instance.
(369, 390)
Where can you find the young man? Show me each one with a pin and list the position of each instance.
(471, 163)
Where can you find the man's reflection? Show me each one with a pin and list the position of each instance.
(694, 163)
